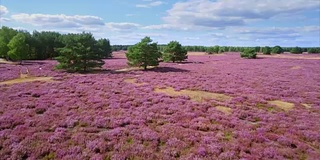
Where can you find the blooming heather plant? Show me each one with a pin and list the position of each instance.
(102, 116)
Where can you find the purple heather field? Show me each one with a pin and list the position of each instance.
(209, 107)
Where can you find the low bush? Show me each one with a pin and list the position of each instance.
(248, 53)
(296, 50)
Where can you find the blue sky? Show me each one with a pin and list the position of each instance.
(191, 22)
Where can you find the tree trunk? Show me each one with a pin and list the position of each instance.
(145, 67)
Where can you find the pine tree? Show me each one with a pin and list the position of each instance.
(80, 53)
(143, 54)
(174, 52)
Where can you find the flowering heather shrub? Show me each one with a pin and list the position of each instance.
(101, 116)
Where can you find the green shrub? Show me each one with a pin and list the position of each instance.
(277, 50)
(249, 53)
(296, 50)
(266, 50)
(174, 52)
(313, 50)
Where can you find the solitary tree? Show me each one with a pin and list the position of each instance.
(249, 53)
(80, 53)
(143, 54)
(174, 52)
(18, 47)
(277, 50)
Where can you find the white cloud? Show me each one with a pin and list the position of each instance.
(202, 14)
(166, 27)
(311, 29)
(149, 5)
(4, 19)
(58, 21)
(3, 10)
(122, 27)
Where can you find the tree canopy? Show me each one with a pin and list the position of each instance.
(143, 54)
(80, 53)
(277, 50)
(6, 34)
(296, 50)
(249, 53)
(174, 52)
(18, 47)
(104, 48)
(266, 50)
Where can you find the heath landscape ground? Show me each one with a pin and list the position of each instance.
(208, 107)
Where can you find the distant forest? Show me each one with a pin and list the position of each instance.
(23, 45)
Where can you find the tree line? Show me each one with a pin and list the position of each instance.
(82, 52)
(221, 49)
(17, 45)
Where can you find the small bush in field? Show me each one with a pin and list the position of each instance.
(296, 50)
(248, 53)
(277, 50)
(266, 50)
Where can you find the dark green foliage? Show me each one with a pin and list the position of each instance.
(296, 50)
(143, 54)
(248, 53)
(174, 52)
(167, 57)
(213, 50)
(18, 47)
(80, 53)
(266, 50)
(6, 34)
(313, 50)
(221, 49)
(277, 50)
(120, 47)
(44, 44)
(257, 49)
(104, 48)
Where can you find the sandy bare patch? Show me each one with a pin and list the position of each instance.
(134, 81)
(202, 54)
(7, 62)
(133, 69)
(225, 110)
(27, 79)
(289, 56)
(198, 96)
(197, 53)
(296, 67)
(308, 106)
(286, 106)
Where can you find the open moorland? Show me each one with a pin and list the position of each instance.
(208, 107)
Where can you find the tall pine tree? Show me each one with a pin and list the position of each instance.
(80, 53)
(143, 54)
